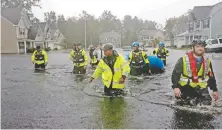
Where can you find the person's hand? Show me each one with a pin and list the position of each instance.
(91, 79)
(122, 80)
(177, 92)
(46, 63)
(215, 96)
(33, 62)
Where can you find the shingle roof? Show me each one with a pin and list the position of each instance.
(42, 26)
(215, 9)
(32, 32)
(201, 12)
(150, 32)
(12, 14)
(109, 34)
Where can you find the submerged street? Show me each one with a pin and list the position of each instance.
(59, 99)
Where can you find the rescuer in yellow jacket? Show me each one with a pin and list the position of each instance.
(114, 69)
(93, 58)
(39, 58)
(161, 52)
(79, 58)
(192, 75)
(138, 60)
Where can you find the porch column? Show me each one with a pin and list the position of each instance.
(43, 45)
(25, 46)
(189, 39)
(34, 46)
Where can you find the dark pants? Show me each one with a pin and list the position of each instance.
(112, 91)
(164, 62)
(79, 70)
(39, 67)
(194, 96)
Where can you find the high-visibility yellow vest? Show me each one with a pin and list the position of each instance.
(186, 77)
(159, 54)
(79, 58)
(121, 67)
(39, 57)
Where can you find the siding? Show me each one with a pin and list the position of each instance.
(217, 21)
(8, 37)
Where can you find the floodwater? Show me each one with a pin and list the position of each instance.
(59, 99)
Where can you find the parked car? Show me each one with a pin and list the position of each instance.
(214, 45)
(127, 48)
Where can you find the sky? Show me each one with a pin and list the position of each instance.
(155, 10)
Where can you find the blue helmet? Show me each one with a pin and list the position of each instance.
(136, 44)
(161, 44)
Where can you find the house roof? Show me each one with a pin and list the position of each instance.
(32, 32)
(12, 14)
(150, 32)
(201, 12)
(216, 8)
(109, 34)
(42, 26)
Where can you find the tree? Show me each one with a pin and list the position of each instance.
(61, 18)
(27, 4)
(50, 16)
(35, 20)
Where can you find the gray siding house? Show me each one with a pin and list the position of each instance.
(204, 22)
(110, 37)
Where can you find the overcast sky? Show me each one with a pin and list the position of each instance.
(156, 10)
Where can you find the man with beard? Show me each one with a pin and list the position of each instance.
(192, 75)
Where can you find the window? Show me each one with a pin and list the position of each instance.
(206, 23)
(214, 41)
(191, 27)
(197, 24)
(220, 40)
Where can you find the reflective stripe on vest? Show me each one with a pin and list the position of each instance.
(186, 78)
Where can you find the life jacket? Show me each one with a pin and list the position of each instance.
(78, 57)
(190, 75)
(39, 56)
(161, 53)
(137, 60)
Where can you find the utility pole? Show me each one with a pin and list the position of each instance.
(85, 33)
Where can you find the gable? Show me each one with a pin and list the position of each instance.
(12, 14)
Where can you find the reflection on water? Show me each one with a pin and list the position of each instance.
(113, 112)
(189, 120)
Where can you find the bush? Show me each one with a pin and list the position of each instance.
(55, 49)
(47, 49)
(30, 50)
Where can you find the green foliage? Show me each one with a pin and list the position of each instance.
(30, 50)
(47, 49)
(27, 4)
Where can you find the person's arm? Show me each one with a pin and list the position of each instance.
(167, 52)
(85, 57)
(124, 67)
(45, 56)
(98, 71)
(71, 55)
(177, 71)
(33, 57)
(212, 80)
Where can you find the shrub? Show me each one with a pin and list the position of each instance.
(30, 50)
(47, 49)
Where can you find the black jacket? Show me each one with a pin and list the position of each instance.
(178, 70)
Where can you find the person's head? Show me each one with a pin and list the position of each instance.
(78, 46)
(161, 45)
(74, 46)
(38, 47)
(198, 47)
(108, 49)
(135, 46)
(91, 47)
(100, 46)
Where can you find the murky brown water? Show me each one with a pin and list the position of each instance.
(59, 99)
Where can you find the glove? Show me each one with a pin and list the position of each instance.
(91, 79)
